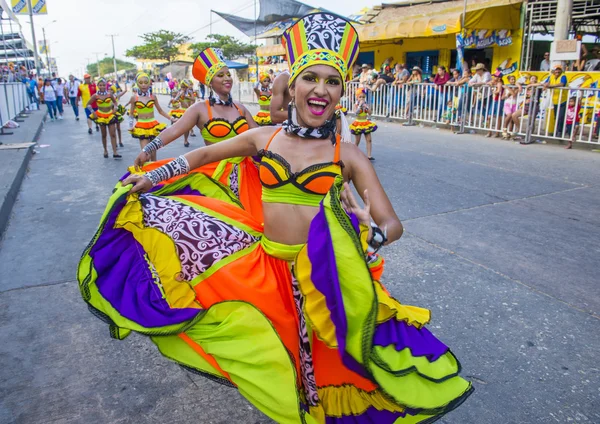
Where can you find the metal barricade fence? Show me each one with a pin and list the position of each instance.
(14, 100)
(514, 111)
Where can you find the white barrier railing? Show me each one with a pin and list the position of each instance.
(13, 101)
(513, 111)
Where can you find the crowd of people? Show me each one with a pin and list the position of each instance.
(493, 100)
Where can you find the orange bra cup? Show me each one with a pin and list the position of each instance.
(240, 126)
(218, 129)
(267, 177)
(320, 185)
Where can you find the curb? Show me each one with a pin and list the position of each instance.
(13, 192)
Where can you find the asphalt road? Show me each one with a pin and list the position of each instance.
(501, 243)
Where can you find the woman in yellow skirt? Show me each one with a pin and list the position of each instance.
(263, 93)
(290, 309)
(106, 116)
(362, 126)
(144, 102)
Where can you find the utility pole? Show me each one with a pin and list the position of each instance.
(98, 63)
(46, 47)
(255, 53)
(112, 36)
(562, 25)
(35, 52)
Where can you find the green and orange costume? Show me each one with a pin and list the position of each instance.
(146, 128)
(307, 333)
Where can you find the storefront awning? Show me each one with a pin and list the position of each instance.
(440, 18)
(274, 50)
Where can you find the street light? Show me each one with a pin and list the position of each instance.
(46, 43)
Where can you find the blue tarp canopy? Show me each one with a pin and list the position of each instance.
(235, 65)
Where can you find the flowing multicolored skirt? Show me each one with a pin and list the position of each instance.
(306, 333)
(263, 118)
(147, 129)
(239, 174)
(362, 126)
(105, 119)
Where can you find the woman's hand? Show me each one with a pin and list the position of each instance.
(351, 205)
(141, 159)
(141, 183)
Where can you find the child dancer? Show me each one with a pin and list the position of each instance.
(105, 116)
(362, 126)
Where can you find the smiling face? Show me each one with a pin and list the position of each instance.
(222, 81)
(316, 91)
(101, 85)
(512, 80)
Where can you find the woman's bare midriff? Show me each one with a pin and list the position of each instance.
(145, 116)
(288, 224)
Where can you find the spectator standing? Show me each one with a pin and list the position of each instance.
(85, 92)
(555, 81)
(364, 76)
(572, 120)
(416, 77)
(545, 64)
(402, 74)
(459, 82)
(49, 98)
(71, 90)
(60, 92)
(480, 80)
(530, 105)
(440, 80)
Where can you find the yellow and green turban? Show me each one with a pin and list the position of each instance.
(321, 39)
(207, 64)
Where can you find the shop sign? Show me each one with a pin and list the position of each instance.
(439, 28)
(483, 38)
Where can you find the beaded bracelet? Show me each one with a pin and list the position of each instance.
(176, 167)
(153, 146)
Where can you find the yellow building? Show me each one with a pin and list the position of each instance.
(423, 33)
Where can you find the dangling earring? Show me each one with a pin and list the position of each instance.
(292, 111)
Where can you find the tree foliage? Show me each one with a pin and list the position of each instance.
(231, 47)
(107, 66)
(159, 45)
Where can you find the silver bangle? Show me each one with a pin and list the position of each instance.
(176, 167)
(154, 145)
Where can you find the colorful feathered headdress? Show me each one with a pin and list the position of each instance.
(321, 39)
(207, 64)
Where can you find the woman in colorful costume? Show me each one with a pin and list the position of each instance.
(176, 111)
(263, 94)
(105, 116)
(219, 118)
(143, 102)
(292, 312)
(118, 92)
(186, 99)
(362, 126)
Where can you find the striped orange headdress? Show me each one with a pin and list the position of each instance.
(207, 64)
(321, 39)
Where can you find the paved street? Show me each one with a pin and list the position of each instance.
(501, 243)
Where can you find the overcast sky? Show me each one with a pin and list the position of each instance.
(82, 25)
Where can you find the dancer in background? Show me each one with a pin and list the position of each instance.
(186, 99)
(362, 126)
(144, 102)
(104, 115)
(220, 119)
(176, 111)
(289, 309)
(118, 92)
(263, 94)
